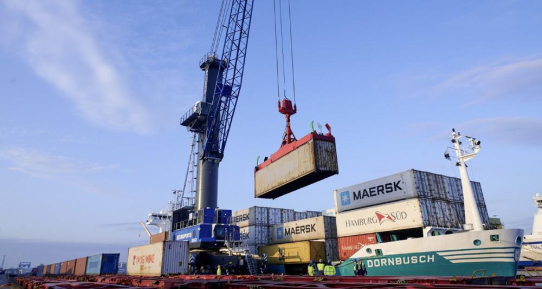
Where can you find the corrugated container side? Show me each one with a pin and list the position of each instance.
(255, 235)
(380, 191)
(308, 229)
(332, 249)
(145, 260)
(351, 244)
(81, 266)
(63, 267)
(393, 216)
(326, 156)
(275, 216)
(294, 253)
(251, 216)
(70, 270)
(45, 270)
(40, 270)
(94, 264)
(57, 268)
(160, 237)
(287, 215)
(176, 258)
(300, 216)
(437, 213)
(110, 263)
(52, 269)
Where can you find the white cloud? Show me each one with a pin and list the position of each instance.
(38, 164)
(514, 79)
(62, 50)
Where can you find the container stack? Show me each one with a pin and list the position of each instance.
(298, 242)
(158, 259)
(92, 265)
(256, 224)
(381, 210)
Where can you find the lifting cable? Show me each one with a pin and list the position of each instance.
(220, 25)
(282, 48)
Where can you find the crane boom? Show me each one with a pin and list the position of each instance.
(228, 88)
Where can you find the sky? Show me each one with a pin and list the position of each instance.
(91, 93)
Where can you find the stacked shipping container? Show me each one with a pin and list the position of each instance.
(157, 259)
(407, 200)
(256, 224)
(93, 265)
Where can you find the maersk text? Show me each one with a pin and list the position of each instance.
(377, 190)
(395, 261)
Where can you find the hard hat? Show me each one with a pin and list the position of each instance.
(320, 260)
(354, 260)
(218, 266)
(329, 262)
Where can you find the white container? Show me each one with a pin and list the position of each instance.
(164, 258)
(275, 216)
(394, 216)
(255, 235)
(304, 230)
(329, 212)
(287, 215)
(379, 191)
(251, 216)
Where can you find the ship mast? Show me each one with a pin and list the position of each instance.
(473, 221)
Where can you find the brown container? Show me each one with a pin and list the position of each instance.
(70, 269)
(52, 269)
(160, 237)
(296, 165)
(46, 270)
(63, 267)
(80, 266)
(348, 246)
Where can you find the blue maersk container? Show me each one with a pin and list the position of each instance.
(57, 269)
(102, 264)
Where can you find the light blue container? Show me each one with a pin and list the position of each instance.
(102, 264)
(57, 269)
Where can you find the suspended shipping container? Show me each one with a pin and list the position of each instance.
(309, 229)
(351, 244)
(81, 266)
(251, 216)
(158, 259)
(102, 264)
(402, 186)
(294, 253)
(296, 165)
(255, 235)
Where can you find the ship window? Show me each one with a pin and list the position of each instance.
(494, 238)
(378, 252)
(369, 251)
(518, 240)
(477, 242)
(435, 233)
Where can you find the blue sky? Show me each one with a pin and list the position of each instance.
(91, 93)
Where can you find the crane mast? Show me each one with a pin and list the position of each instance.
(212, 117)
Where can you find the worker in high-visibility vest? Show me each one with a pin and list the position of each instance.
(329, 270)
(320, 266)
(310, 269)
(219, 271)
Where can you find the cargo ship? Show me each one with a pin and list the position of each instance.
(531, 252)
(419, 249)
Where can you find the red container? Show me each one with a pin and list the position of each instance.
(63, 267)
(81, 266)
(351, 244)
(70, 269)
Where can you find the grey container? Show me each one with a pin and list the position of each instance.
(313, 214)
(176, 257)
(300, 216)
(318, 228)
(287, 215)
(332, 249)
(251, 216)
(255, 235)
(275, 216)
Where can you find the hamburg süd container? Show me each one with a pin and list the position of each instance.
(296, 165)
(294, 253)
(102, 264)
(70, 269)
(308, 229)
(80, 266)
(394, 216)
(157, 259)
(255, 235)
(251, 216)
(351, 244)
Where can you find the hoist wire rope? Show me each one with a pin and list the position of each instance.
(219, 26)
(291, 46)
(282, 49)
(276, 48)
